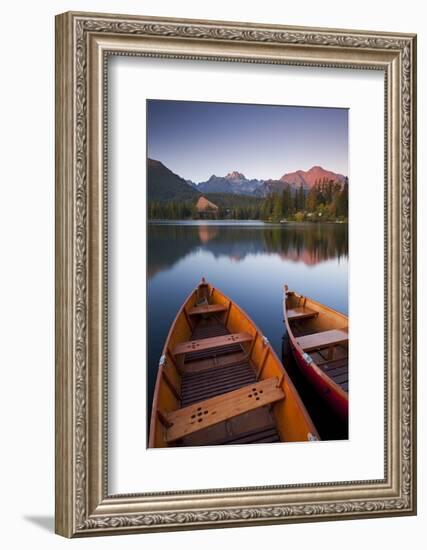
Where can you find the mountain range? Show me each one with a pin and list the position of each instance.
(164, 185)
(234, 182)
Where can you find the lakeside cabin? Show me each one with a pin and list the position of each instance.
(205, 206)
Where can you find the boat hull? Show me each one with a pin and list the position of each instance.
(330, 392)
(334, 399)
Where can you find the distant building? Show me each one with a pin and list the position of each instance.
(205, 206)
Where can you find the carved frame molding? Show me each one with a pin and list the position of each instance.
(83, 44)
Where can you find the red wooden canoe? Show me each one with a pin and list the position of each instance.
(319, 341)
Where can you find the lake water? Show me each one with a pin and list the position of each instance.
(248, 261)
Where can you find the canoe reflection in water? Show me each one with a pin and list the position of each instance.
(220, 382)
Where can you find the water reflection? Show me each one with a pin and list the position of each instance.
(207, 232)
(249, 262)
(309, 244)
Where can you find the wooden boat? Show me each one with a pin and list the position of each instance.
(220, 382)
(319, 340)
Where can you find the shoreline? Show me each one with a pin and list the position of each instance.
(237, 221)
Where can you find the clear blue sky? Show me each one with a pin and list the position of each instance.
(198, 139)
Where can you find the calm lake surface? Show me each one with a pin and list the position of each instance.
(248, 261)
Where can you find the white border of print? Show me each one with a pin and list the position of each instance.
(131, 81)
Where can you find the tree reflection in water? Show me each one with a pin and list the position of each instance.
(310, 244)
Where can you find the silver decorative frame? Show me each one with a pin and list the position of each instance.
(83, 42)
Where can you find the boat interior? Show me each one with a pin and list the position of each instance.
(226, 383)
(322, 333)
(211, 372)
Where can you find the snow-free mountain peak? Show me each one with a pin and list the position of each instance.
(235, 176)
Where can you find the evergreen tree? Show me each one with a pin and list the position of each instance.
(342, 201)
(311, 202)
(286, 201)
(277, 208)
(300, 198)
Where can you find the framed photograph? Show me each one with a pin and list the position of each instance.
(235, 274)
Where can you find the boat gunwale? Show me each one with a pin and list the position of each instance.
(154, 406)
(319, 304)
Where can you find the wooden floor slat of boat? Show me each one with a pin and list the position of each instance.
(208, 328)
(198, 387)
(261, 436)
(203, 385)
(218, 376)
(300, 328)
(337, 369)
(257, 426)
(193, 396)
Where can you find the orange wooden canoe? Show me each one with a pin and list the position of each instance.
(319, 340)
(220, 382)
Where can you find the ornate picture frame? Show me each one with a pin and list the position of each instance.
(83, 44)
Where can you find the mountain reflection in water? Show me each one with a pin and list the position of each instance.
(250, 262)
(307, 243)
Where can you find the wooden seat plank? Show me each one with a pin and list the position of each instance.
(323, 339)
(212, 343)
(223, 407)
(298, 313)
(206, 309)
